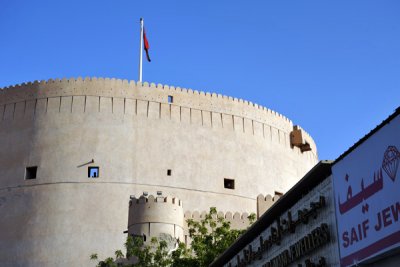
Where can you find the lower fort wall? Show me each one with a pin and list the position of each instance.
(62, 224)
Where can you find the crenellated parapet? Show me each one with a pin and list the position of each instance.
(143, 91)
(154, 199)
(265, 202)
(237, 220)
(117, 88)
(123, 97)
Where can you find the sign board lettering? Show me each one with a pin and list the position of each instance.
(367, 196)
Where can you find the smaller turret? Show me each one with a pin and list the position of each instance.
(156, 216)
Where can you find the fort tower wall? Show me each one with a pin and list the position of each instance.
(207, 149)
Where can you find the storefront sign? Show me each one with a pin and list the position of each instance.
(367, 196)
(314, 239)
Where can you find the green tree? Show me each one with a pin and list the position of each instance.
(155, 254)
(210, 237)
(119, 254)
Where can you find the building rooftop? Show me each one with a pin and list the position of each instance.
(315, 176)
(363, 139)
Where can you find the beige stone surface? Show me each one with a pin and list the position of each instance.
(155, 215)
(264, 203)
(134, 136)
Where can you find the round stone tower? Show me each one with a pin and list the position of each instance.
(73, 151)
(159, 216)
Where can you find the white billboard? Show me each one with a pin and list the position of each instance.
(367, 196)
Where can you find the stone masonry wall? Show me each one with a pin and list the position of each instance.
(141, 143)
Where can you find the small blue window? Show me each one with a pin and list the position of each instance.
(170, 99)
(93, 172)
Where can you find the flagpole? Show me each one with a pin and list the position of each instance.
(141, 50)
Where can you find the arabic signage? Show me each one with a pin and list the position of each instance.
(367, 196)
(314, 239)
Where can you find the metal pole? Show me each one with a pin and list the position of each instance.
(141, 50)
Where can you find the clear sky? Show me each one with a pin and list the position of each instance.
(332, 67)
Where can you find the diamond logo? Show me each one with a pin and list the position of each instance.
(391, 162)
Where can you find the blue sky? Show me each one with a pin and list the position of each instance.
(332, 67)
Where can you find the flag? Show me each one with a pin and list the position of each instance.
(146, 45)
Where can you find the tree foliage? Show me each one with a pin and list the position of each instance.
(210, 237)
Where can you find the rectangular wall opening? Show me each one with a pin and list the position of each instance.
(170, 99)
(93, 172)
(229, 183)
(169, 172)
(30, 173)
